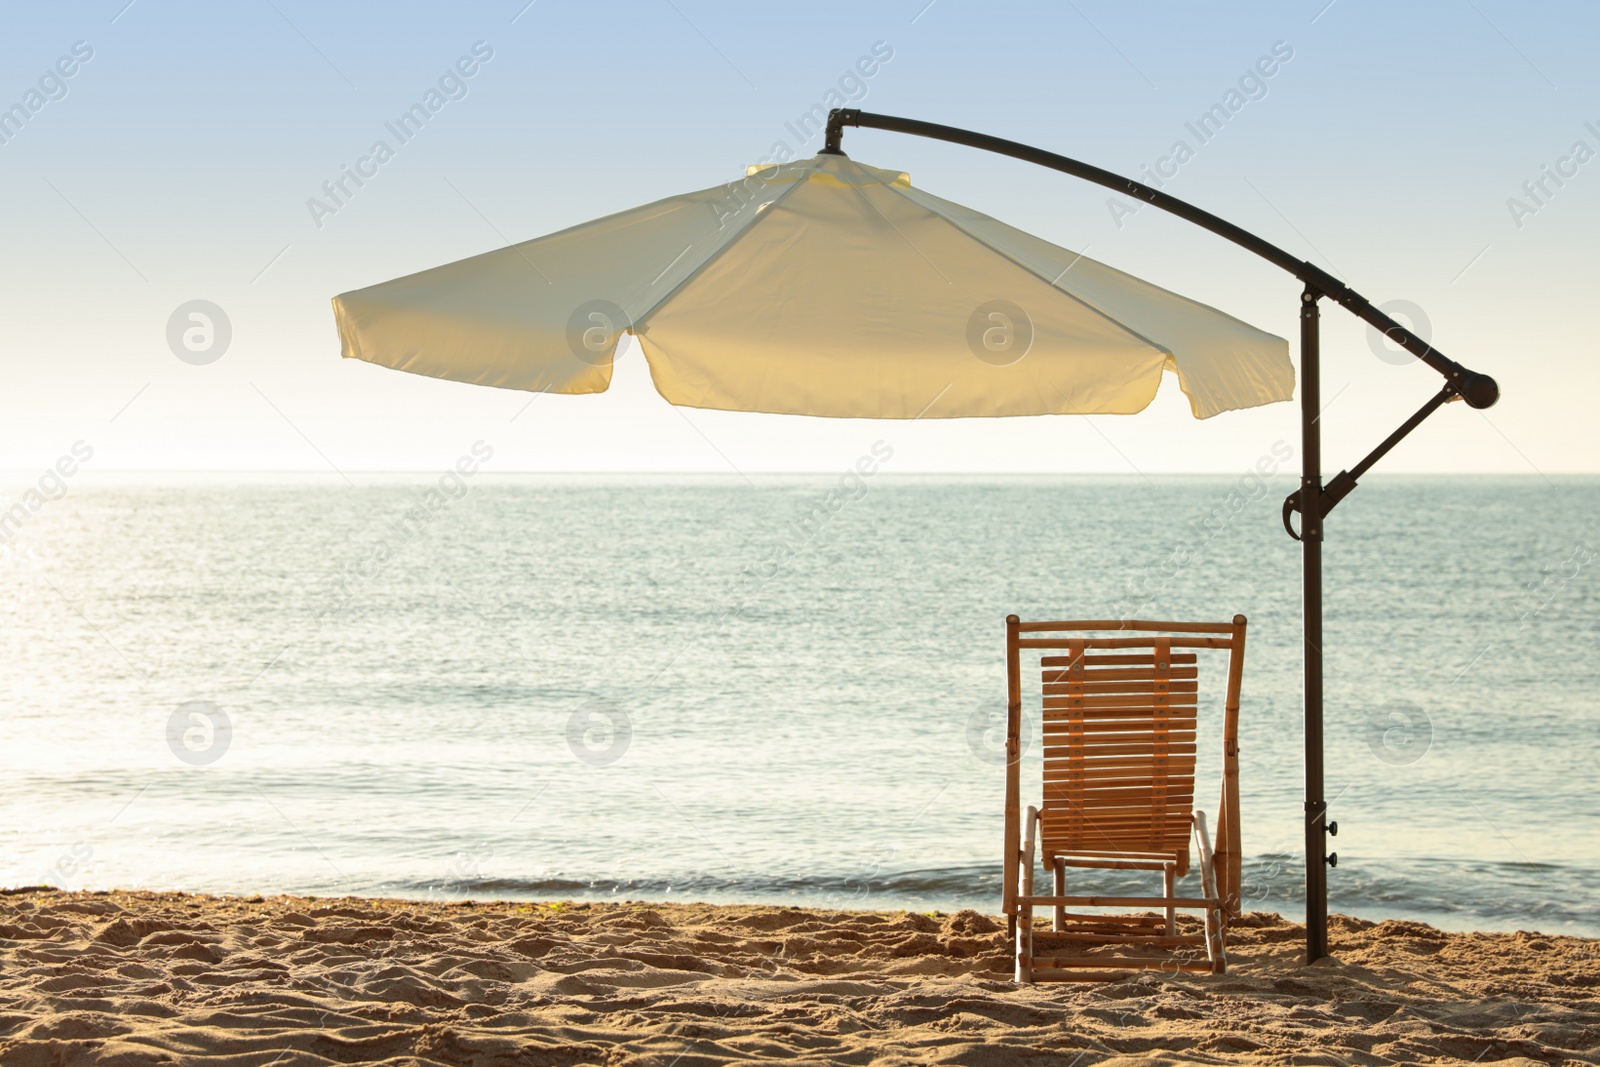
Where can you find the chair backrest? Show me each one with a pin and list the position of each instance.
(1119, 751)
(1119, 725)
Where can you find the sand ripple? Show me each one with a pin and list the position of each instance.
(162, 978)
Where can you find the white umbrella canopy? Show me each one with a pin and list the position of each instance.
(818, 287)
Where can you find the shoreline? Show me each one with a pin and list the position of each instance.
(1446, 922)
(136, 978)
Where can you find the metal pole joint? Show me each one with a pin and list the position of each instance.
(838, 119)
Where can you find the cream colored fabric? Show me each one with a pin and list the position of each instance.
(821, 287)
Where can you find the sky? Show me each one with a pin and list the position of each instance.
(1407, 148)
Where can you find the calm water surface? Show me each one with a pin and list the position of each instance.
(696, 688)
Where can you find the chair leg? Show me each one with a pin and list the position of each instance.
(1024, 973)
(1061, 891)
(1169, 881)
(1208, 883)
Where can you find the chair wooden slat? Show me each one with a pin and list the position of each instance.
(1108, 674)
(1121, 750)
(1153, 627)
(1070, 696)
(1053, 706)
(1127, 727)
(1114, 767)
(1115, 822)
(1060, 788)
(1094, 782)
(1089, 684)
(1116, 659)
(1118, 923)
(1075, 820)
(1126, 642)
(1072, 748)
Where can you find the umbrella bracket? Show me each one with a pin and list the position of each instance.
(1342, 483)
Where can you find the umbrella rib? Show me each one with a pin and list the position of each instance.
(1069, 294)
(639, 319)
(674, 263)
(1056, 281)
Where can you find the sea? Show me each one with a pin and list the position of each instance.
(778, 689)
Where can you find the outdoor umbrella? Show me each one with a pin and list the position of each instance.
(821, 287)
(826, 287)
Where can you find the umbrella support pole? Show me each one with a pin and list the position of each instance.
(1316, 807)
(1311, 500)
(1314, 501)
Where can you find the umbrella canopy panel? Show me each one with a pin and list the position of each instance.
(819, 287)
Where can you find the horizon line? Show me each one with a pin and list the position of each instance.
(33, 471)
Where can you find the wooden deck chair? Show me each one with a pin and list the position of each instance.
(1119, 716)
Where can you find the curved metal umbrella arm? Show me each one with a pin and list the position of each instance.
(1478, 390)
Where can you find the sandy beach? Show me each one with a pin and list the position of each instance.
(136, 978)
